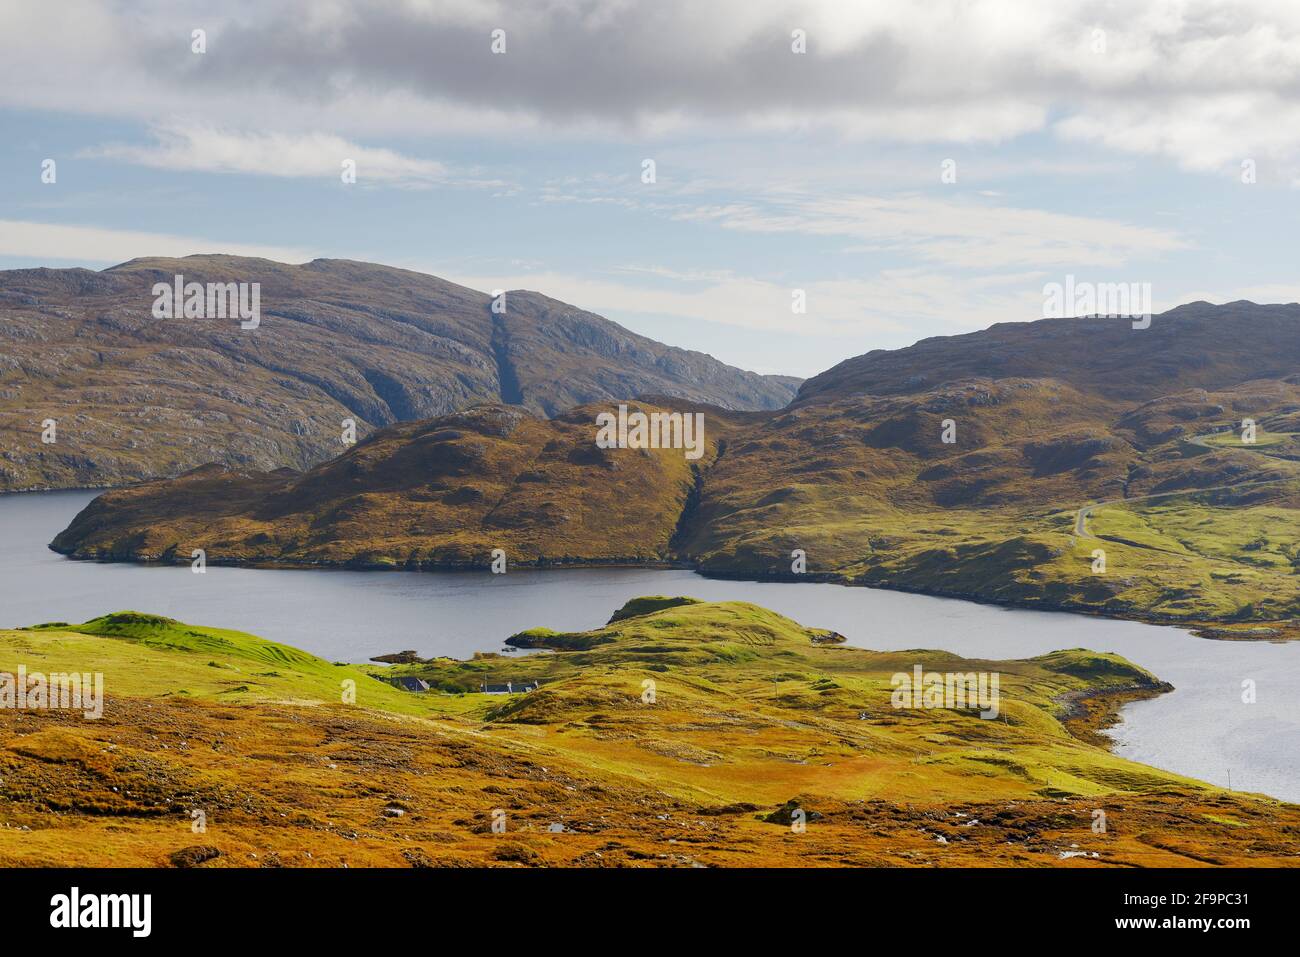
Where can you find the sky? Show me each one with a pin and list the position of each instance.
(919, 169)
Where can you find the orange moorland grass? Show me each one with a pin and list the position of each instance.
(682, 733)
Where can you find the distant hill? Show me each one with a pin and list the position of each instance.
(135, 397)
(442, 492)
(1196, 346)
(993, 466)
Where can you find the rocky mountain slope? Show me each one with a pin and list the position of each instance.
(136, 397)
(995, 488)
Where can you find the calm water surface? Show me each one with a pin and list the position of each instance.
(1202, 729)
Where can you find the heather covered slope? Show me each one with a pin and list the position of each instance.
(1142, 427)
(136, 397)
(292, 760)
(1039, 473)
(865, 487)
(443, 492)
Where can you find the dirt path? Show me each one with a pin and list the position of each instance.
(1082, 516)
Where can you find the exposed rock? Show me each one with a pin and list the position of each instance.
(195, 855)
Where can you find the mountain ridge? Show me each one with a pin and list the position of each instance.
(1101, 351)
(135, 397)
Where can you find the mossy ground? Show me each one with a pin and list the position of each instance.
(750, 711)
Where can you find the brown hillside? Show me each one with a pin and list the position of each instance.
(136, 397)
(1040, 474)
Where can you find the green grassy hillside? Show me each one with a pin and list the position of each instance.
(683, 733)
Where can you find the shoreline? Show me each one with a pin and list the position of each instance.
(42, 490)
(1211, 630)
(1088, 715)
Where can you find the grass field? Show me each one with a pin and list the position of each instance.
(1263, 440)
(669, 737)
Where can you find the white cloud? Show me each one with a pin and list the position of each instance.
(190, 147)
(1200, 81)
(966, 235)
(49, 242)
